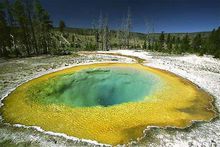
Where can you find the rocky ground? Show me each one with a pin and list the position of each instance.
(203, 71)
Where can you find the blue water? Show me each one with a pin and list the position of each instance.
(101, 87)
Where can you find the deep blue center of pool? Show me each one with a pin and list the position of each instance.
(102, 87)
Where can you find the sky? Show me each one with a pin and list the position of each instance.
(166, 15)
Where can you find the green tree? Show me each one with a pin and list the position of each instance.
(161, 41)
(149, 46)
(169, 43)
(214, 43)
(197, 44)
(62, 25)
(145, 44)
(22, 19)
(44, 26)
(162, 37)
(156, 46)
(13, 31)
(173, 40)
(211, 42)
(28, 4)
(168, 38)
(4, 31)
(217, 51)
(185, 44)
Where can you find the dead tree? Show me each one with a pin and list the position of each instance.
(100, 31)
(95, 27)
(125, 30)
(149, 31)
(105, 34)
(128, 28)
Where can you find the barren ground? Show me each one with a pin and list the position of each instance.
(203, 71)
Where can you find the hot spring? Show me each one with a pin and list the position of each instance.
(109, 103)
(99, 87)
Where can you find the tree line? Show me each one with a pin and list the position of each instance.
(26, 29)
(200, 44)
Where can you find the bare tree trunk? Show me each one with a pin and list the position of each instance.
(28, 7)
(105, 34)
(149, 31)
(128, 28)
(101, 31)
(96, 32)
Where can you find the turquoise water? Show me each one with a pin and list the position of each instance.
(100, 87)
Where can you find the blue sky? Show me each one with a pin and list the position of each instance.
(167, 15)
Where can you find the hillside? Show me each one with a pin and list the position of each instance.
(89, 31)
(84, 38)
